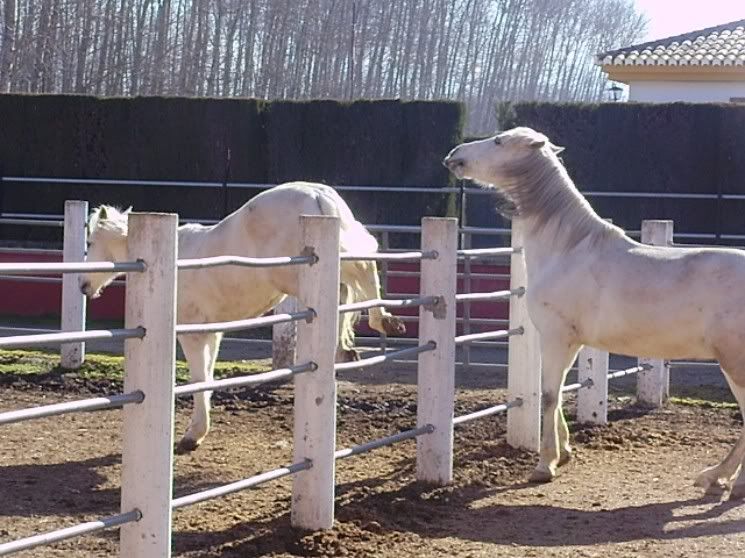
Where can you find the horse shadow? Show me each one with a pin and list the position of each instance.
(413, 509)
(63, 489)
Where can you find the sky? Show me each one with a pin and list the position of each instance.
(673, 17)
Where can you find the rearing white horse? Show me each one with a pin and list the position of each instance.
(268, 225)
(590, 284)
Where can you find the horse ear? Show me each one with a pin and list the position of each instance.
(537, 144)
(129, 209)
(556, 149)
(102, 213)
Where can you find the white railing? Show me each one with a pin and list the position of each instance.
(149, 384)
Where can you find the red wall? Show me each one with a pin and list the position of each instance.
(18, 298)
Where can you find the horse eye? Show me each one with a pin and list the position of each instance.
(497, 140)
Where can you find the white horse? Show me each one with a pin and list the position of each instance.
(590, 284)
(266, 226)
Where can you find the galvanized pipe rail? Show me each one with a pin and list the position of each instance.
(387, 303)
(237, 486)
(251, 323)
(489, 411)
(71, 337)
(31, 268)
(412, 256)
(382, 442)
(242, 381)
(373, 361)
(69, 532)
(629, 371)
(487, 252)
(218, 261)
(490, 296)
(82, 405)
(488, 335)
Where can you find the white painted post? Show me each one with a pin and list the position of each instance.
(592, 401)
(149, 366)
(653, 386)
(315, 392)
(524, 359)
(284, 336)
(436, 369)
(73, 301)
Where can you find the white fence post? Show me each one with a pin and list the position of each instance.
(147, 455)
(592, 401)
(653, 385)
(436, 369)
(524, 359)
(315, 392)
(284, 336)
(73, 301)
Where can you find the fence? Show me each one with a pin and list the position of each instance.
(149, 391)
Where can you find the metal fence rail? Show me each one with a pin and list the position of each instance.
(489, 411)
(237, 486)
(387, 303)
(241, 381)
(629, 371)
(491, 296)
(251, 323)
(69, 532)
(487, 252)
(70, 337)
(82, 405)
(382, 442)
(487, 335)
(389, 356)
(389, 256)
(218, 261)
(31, 268)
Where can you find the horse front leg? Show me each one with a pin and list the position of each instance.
(201, 354)
(557, 356)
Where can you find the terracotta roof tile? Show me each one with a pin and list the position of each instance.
(723, 45)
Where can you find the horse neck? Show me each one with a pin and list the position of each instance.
(556, 217)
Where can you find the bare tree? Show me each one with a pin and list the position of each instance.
(477, 51)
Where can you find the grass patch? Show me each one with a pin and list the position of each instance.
(99, 366)
(703, 403)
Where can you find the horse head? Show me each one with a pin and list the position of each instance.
(107, 242)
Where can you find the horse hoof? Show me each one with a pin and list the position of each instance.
(703, 481)
(393, 325)
(541, 475)
(738, 493)
(350, 355)
(186, 445)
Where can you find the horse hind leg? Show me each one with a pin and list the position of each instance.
(201, 353)
(717, 479)
(345, 350)
(364, 281)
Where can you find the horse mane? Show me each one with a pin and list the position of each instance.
(543, 193)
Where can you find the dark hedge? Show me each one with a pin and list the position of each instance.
(639, 147)
(366, 143)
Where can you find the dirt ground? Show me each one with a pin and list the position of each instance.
(628, 492)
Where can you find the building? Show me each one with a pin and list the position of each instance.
(704, 66)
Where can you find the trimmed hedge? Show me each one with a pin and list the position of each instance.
(639, 147)
(366, 143)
